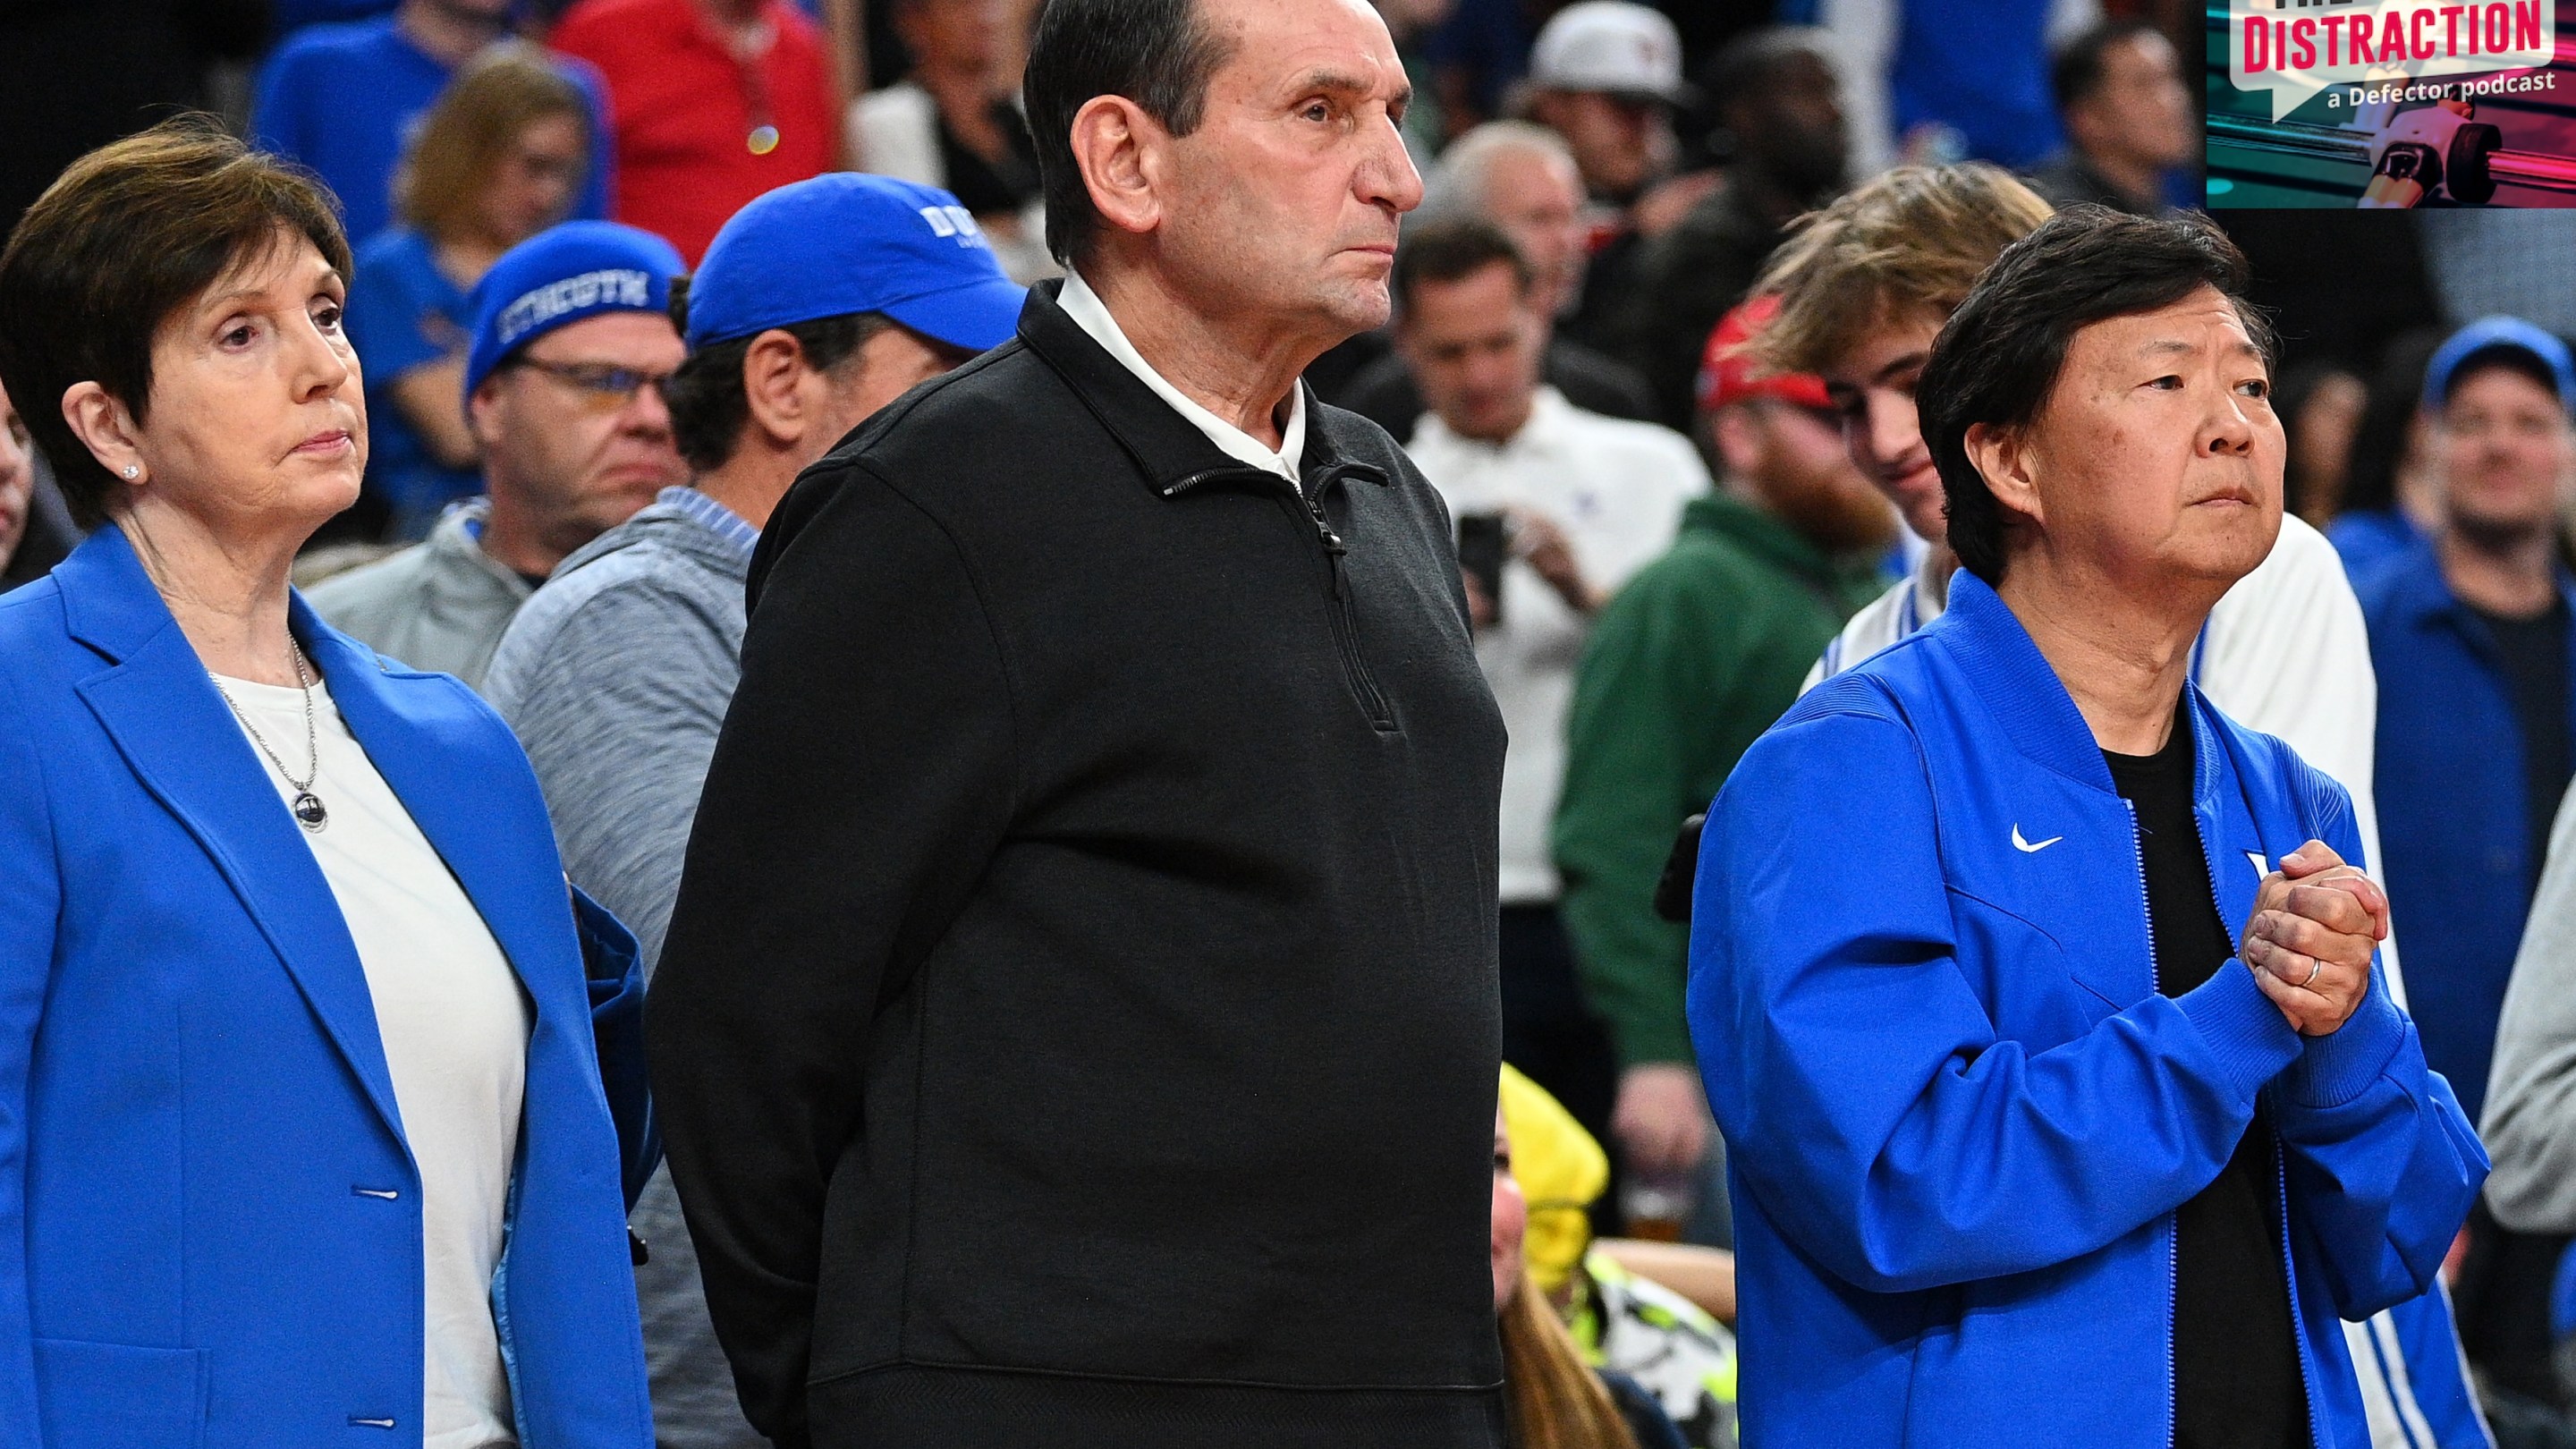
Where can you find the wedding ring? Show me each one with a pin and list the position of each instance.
(2314, 966)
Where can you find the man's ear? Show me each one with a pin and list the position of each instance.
(1121, 151)
(773, 373)
(483, 413)
(2002, 456)
(1733, 436)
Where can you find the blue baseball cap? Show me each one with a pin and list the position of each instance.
(560, 276)
(848, 242)
(2491, 334)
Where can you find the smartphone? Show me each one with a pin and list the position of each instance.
(1484, 541)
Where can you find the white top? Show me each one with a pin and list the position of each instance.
(2285, 652)
(454, 1024)
(1091, 314)
(895, 132)
(1617, 489)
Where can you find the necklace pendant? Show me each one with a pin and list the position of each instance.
(309, 812)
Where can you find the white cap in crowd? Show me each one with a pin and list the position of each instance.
(1610, 45)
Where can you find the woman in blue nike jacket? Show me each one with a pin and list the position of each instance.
(2036, 998)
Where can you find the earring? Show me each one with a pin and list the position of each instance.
(133, 471)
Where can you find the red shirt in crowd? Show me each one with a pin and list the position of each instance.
(698, 133)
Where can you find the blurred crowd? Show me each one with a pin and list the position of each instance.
(1644, 160)
(1663, 536)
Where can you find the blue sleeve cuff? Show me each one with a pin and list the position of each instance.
(2337, 1067)
(2250, 1037)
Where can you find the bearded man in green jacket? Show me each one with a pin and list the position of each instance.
(1685, 668)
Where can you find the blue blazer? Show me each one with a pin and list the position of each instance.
(1958, 1114)
(209, 1220)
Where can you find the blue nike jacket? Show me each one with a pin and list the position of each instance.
(1958, 1115)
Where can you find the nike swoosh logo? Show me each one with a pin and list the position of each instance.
(2026, 848)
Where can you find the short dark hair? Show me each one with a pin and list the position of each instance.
(1157, 53)
(1452, 249)
(706, 398)
(2083, 63)
(127, 236)
(1998, 359)
(1755, 61)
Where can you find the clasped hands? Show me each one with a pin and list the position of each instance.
(2315, 923)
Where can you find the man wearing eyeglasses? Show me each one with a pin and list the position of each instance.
(572, 340)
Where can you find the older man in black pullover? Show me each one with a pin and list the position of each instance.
(1078, 1026)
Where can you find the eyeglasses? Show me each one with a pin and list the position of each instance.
(600, 384)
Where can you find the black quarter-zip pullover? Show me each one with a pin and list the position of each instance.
(1078, 1026)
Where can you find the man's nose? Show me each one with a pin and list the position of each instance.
(648, 411)
(1387, 176)
(2230, 431)
(1884, 435)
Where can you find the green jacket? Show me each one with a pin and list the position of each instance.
(1688, 665)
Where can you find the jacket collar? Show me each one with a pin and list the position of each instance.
(2012, 682)
(157, 702)
(704, 533)
(1173, 455)
(457, 541)
(2015, 683)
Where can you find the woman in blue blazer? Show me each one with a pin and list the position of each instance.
(302, 1133)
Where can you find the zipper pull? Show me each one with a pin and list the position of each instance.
(1332, 541)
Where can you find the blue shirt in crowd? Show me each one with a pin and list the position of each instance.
(2459, 823)
(1487, 39)
(1979, 67)
(342, 99)
(2367, 538)
(405, 314)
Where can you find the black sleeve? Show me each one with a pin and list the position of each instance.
(861, 781)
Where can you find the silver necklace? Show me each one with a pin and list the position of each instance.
(308, 806)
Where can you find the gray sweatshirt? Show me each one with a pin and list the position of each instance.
(439, 604)
(615, 677)
(2530, 1126)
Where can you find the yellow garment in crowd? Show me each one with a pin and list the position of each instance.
(1561, 1170)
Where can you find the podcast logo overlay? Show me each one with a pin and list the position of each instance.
(2296, 48)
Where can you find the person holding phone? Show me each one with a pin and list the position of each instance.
(1555, 507)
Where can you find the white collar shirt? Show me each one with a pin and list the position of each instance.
(1091, 314)
(1617, 489)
